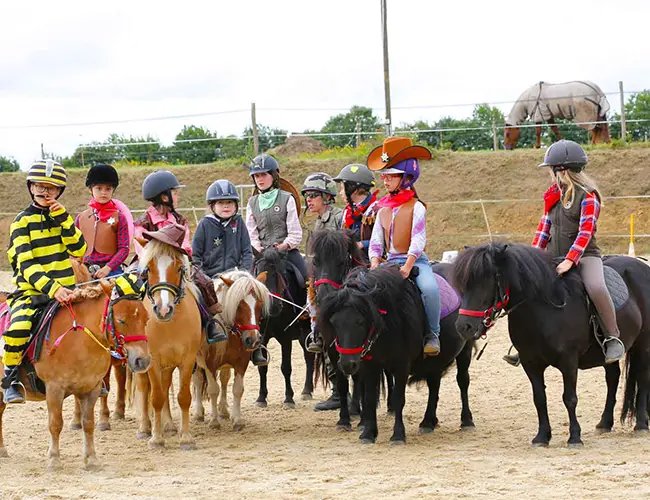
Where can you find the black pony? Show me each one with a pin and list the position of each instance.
(335, 254)
(282, 282)
(549, 324)
(377, 321)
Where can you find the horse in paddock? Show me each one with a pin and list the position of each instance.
(175, 336)
(75, 357)
(552, 324)
(335, 254)
(378, 322)
(282, 282)
(245, 301)
(579, 101)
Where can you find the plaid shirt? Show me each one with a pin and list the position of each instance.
(116, 260)
(589, 212)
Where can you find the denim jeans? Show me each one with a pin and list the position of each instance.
(428, 288)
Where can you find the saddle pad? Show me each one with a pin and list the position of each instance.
(449, 298)
(616, 287)
(41, 330)
(5, 318)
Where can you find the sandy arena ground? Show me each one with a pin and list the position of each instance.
(297, 453)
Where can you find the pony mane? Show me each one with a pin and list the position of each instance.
(528, 271)
(336, 245)
(87, 292)
(244, 284)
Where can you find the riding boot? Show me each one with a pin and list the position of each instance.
(331, 403)
(431, 344)
(260, 356)
(512, 359)
(14, 391)
(314, 342)
(613, 348)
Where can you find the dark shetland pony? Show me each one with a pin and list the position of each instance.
(378, 322)
(335, 254)
(548, 321)
(282, 282)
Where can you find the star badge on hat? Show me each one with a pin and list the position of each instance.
(385, 158)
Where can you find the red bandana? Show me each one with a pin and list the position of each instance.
(104, 210)
(551, 197)
(354, 213)
(396, 200)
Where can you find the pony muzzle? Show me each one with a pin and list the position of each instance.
(349, 363)
(163, 312)
(469, 327)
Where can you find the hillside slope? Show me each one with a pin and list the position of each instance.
(450, 176)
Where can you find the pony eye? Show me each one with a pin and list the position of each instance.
(121, 322)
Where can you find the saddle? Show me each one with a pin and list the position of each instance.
(449, 298)
(41, 324)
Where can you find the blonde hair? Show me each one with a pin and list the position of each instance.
(569, 181)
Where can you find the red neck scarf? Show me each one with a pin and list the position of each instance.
(104, 210)
(396, 200)
(551, 197)
(353, 213)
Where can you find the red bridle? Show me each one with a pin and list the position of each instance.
(365, 348)
(491, 314)
(108, 324)
(238, 329)
(325, 281)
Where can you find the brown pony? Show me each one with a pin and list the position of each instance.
(244, 300)
(81, 358)
(174, 338)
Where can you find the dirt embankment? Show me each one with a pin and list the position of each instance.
(450, 176)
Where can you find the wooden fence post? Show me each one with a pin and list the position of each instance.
(256, 137)
(623, 124)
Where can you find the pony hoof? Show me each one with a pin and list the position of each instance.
(390, 411)
(289, 405)
(75, 426)
(367, 441)
(238, 427)
(92, 464)
(214, 424)
(306, 396)
(576, 444)
(189, 445)
(54, 465)
(143, 435)
(603, 430)
(641, 432)
(540, 444)
(426, 430)
(261, 404)
(156, 443)
(467, 427)
(118, 415)
(343, 427)
(3, 453)
(397, 442)
(104, 426)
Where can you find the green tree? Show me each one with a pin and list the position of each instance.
(8, 164)
(637, 107)
(347, 123)
(203, 148)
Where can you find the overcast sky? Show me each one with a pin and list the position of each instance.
(73, 61)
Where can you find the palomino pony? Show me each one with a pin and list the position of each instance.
(335, 254)
(377, 321)
(245, 301)
(581, 102)
(549, 324)
(282, 284)
(175, 335)
(76, 357)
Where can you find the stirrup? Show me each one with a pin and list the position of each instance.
(311, 345)
(616, 340)
(20, 388)
(512, 359)
(267, 355)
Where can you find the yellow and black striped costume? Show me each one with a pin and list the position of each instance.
(40, 246)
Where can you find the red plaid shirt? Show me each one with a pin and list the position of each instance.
(589, 212)
(112, 261)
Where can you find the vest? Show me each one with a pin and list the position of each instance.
(100, 236)
(271, 223)
(329, 220)
(402, 225)
(565, 223)
(368, 221)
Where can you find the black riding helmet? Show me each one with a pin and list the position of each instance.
(563, 155)
(159, 183)
(102, 173)
(353, 177)
(265, 163)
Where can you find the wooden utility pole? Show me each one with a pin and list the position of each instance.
(256, 137)
(384, 30)
(495, 140)
(357, 129)
(623, 124)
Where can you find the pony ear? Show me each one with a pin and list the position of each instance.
(227, 281)
(107, 286)
(143, 241)
(262, 277)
